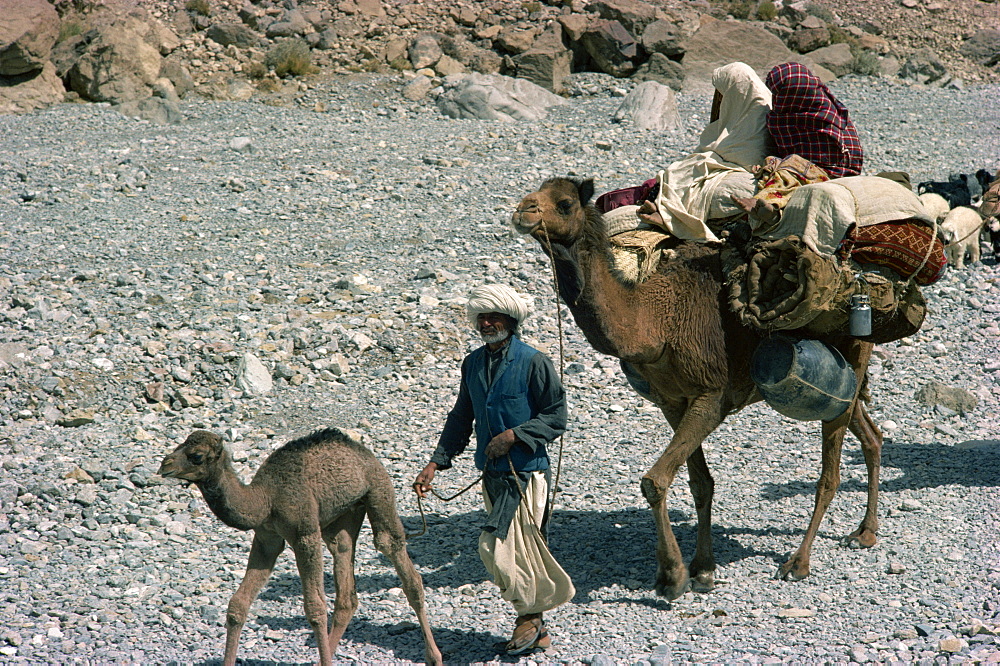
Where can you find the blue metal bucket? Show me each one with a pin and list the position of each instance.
(806, 380)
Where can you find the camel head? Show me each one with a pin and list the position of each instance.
(557, 210)
(195, 459)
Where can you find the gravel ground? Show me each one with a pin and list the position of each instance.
(139, 263)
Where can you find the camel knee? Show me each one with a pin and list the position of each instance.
(389, 543)
(346, 602)
(653, 493)
(315, 611)
(236, 611)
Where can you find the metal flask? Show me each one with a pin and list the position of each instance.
(861, 316)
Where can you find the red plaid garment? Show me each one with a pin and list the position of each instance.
(806, 119)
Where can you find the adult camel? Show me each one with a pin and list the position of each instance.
(677, 331)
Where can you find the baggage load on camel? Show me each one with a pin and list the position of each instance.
(823, 213)
(836, 241)
(786, 286)
(860, 236)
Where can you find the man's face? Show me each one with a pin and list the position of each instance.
(494, 326)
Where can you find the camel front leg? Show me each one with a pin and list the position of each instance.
(692, 424)
(263, 554)
(341, 539)
(871, 445)
(308, 549)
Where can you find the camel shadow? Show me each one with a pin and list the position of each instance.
(448, 556)
(972, 464)
(406, 644)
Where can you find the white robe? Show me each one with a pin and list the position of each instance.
(521, 565)
(728, 148)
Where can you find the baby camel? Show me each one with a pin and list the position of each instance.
(312, 490)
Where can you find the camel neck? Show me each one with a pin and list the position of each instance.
(235, 504)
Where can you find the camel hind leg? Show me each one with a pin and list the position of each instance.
(871, 445)
(702, 567)
(857, 354)
(797, 566)
(308, 547)
(390, 539)
(263, 554)
(341, 539)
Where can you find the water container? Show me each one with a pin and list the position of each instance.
(806, 380)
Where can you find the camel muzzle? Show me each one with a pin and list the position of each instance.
(527, 219)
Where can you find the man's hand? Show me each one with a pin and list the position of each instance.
(424, 479)
(500, 445)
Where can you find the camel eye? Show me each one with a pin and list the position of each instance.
(196, 458)
(565, 207)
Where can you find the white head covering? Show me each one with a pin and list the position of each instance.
(496, 298)
(740, 134)
(734, 143)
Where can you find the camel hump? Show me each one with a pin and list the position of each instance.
(323, 438)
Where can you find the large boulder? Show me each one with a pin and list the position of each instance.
(495, 97)
(650, 106)
(718, 43)
(28, 30)
(156, 110)
(118, 66)
(837, 58)
(661, 69)
(236, 34)
(547, 62)
(983, 47)
(34, 90)
(473, 57)
(424, 51)
(924, 66)
(664, 37)
(611, 47)
(634, 15)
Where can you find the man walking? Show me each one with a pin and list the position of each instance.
(511, 397)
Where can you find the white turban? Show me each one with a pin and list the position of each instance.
(496, 298)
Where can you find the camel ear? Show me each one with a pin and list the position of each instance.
(586, 190)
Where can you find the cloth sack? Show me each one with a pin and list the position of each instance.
(786, 286)
(908, 248)
(822, 213)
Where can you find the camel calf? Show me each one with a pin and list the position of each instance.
(311, 491)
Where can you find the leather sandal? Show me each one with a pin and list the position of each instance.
(529, 634)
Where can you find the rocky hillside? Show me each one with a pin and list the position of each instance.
(144, 55)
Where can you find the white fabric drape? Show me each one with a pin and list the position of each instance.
(730, 146)
(521, 565)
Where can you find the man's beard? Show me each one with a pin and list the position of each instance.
(493, 338)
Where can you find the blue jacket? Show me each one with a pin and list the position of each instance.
(526, 396)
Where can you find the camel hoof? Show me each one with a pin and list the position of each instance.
(860, 539)
(703, 582)
(673, 591)
(792, 571)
